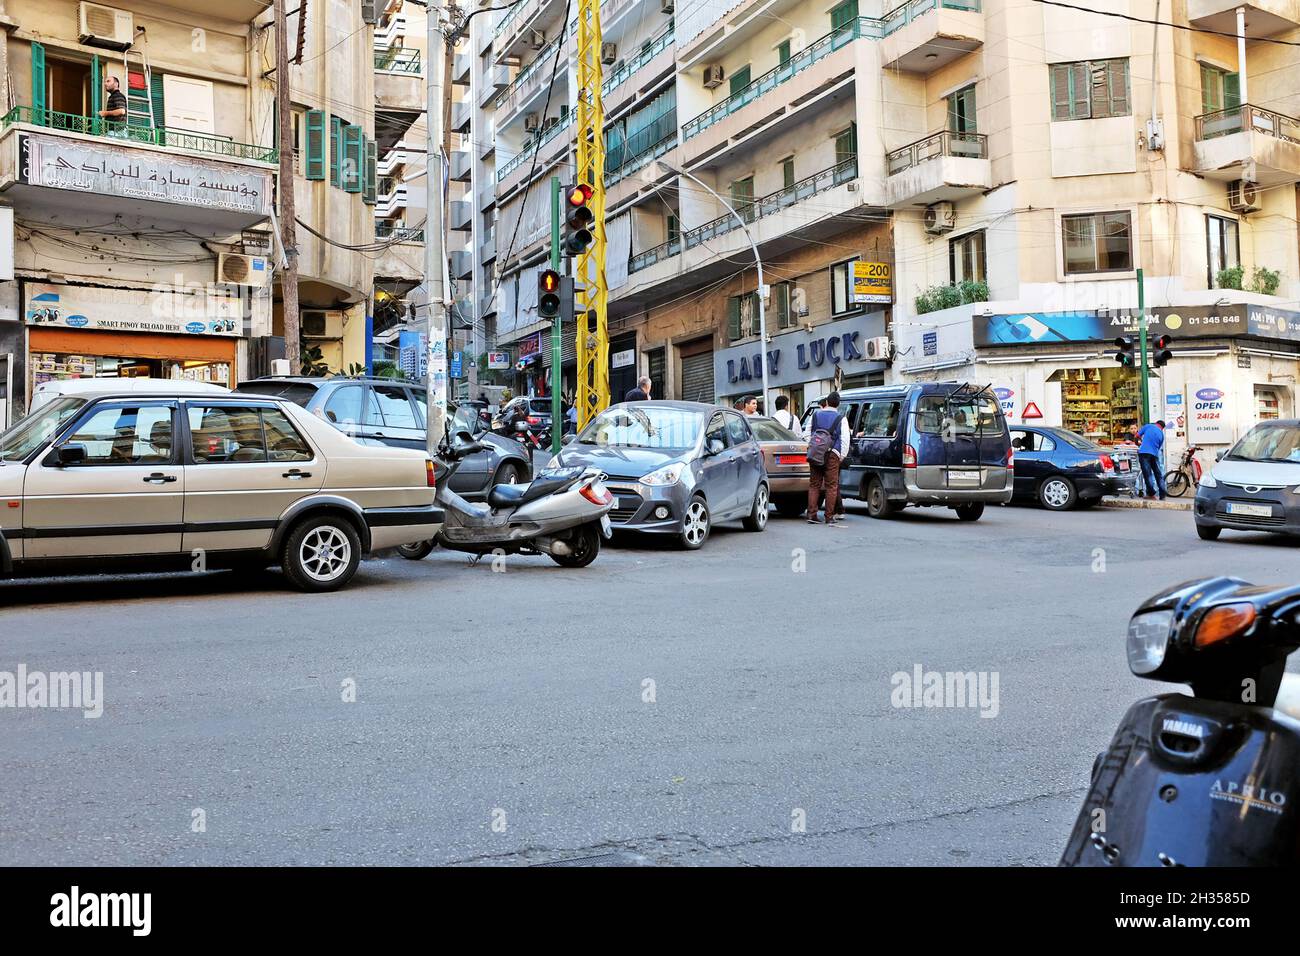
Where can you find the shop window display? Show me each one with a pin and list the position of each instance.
(52, 367)
(1099, 403)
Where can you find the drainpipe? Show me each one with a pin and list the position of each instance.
(1241, 53)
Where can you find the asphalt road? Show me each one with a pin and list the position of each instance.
(505, 717)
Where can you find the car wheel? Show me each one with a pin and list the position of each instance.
(507, 474)
(321, 554)
(585, 543)
(970, 511)
(877, 500)
(791, 506)
(1208, 532)
(696, 524)
(756, 520)
(415, 552)
(1057, 494)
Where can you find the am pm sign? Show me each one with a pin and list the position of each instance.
(1208, 416)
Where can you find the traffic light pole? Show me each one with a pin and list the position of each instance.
(1142, 350)
(557, 349)
(435, 381)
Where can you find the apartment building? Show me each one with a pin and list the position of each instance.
(142, 243)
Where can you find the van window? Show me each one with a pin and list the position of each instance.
(969, 415)
(880, 420)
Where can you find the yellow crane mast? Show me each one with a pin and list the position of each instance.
(592, 297)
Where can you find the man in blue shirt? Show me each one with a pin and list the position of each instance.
(1151, 453)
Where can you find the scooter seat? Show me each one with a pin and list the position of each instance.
(506, 496)
(516, 496)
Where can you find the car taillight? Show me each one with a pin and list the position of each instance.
(1011, 458)
(430, 473)
(909, 456)
(596, 493)
(534, 420)
(1107, 463)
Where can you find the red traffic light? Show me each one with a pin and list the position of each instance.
(579, 195)
(548, 293)
(548, 280)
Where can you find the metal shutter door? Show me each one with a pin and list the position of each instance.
(697, 377)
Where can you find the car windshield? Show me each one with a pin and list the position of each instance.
(1271, 441)
(644, 426)
(767, 430)
(36, 429)
(965, 415)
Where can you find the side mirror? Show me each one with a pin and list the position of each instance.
(1219, 455)
(716, 446)
(569, 438)
(71, 454)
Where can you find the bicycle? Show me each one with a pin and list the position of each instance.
(1186, 475)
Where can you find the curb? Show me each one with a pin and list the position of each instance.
(1169, 504)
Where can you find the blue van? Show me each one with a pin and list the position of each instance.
(931, 443)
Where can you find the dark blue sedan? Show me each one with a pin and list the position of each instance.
(1061, 469)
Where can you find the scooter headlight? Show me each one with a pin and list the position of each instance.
(1148, 640)
(667, 475)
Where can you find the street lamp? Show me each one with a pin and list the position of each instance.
(762, 312)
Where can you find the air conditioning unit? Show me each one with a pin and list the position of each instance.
(879, 349)
(1243, 196)
(536, 39)
(322, 325)
(713, 76)
(940, 217)
(105, 26)
(667, 6)
(531, 122)
(236, 269)
(608, 53)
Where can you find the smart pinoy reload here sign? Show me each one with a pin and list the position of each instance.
(1045, 328)
(133, 310)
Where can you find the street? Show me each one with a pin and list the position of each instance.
(689, 708)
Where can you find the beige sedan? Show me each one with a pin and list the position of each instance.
(112, 481)
(785, 456)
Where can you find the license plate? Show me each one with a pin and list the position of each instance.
(1124, 464)
(1250, 511)
(792, 459)
(605, 528)
(972, 477)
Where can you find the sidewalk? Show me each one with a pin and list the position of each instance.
(1169, 504)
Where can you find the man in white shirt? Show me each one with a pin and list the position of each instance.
(784, 417)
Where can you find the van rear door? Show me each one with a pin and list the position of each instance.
(961, 442)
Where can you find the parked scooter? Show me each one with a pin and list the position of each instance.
(562, 513)
(1207, 779)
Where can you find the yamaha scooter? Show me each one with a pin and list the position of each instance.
(1210, 778)
(562, 513)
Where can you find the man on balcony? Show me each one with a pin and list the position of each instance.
(114, 115)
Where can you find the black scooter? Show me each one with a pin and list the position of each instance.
(1209, 779)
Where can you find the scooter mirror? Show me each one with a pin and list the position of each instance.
(521, 426)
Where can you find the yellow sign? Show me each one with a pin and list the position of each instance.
(873, 282)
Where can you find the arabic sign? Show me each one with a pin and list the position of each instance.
(133, 310)
(1179, 321)
(873, 282)
(108, 170)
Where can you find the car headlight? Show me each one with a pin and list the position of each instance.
(1207, 480)
(667, 475)
(1148, 639)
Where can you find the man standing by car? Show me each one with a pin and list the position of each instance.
(828, 439)
(1151, 452)
(642, 391)
(784, 417)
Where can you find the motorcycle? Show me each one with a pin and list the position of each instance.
(1206, 779)
(562, 513)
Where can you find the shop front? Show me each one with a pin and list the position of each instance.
(804, 364)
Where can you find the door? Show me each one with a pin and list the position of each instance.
(960, 443)
(748, 458)
(245, 464)
(697, 377)
(401, 427)
(125, 498)
(718, 472)
(873, 442)
(1032, 459)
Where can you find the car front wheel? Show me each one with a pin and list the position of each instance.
(695, 524)
(1208, 532)
(321, 554)
(415, 552)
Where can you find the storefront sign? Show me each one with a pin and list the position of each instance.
(1007, 399)
(530, 346)
(498, 361)
(873, 282)
(623, 359)
(174, 312)
(109, 170)
(1034, 328)
(1209, 415)
(802, 356)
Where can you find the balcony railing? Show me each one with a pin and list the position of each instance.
(398, 232)
(943, 143)
(147, 135)
(665, 250)
(904, 14)
(772, 203)
(1247, 117)
(508, 18)
(640, 148)
(398, 60)
(534, 143)
(545, 58)
(657, 46)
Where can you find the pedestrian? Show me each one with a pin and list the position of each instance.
(823, 403)
(571, 418)
(828, 442)
(1151, 452)
(1131, 441)
(750, 405)
(642, 391)
(114, 113)
(784, 417)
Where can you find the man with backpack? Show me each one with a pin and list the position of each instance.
(828, 443)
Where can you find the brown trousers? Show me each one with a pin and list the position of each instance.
(825, 476)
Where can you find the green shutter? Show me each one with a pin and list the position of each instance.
(1231, 91)
(159, 104)
(336, 151)
(354, 158)
(316, 144)
(38, 84)
(783, 52)
(844, 14)
(96, 88)
(733, 317)
(371, 172)
(739, 79)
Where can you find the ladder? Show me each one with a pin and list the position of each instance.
(139, 99)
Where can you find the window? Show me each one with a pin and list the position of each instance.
(961, 110)
(739, 79)
(1097, 242)
(226, 433)
(966, 258)
(844, 14)
(674, 228)
(737, 429)
(717, 430)
(315, 146)
(787, 172)
(846, 144)
(344, 406)
(742, 195)
(282, 439)
(1220, 90)
(781, 305)
(1091, 89)
(126, 435)
(783, 52)
(1224, 246)
(842, 288)
(964, 416)
(396, 407)
(881, 420)
(742, 315)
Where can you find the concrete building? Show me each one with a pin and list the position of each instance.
(142, 244)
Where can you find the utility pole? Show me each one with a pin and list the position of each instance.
(1142, 349)
(557, 350)
(435, 381)
(288, 222)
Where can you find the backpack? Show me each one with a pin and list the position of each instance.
(822, 440)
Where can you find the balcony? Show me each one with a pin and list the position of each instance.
(513, 38)
(99, 166)
(1232, 142)
(399, 79)
(495, 79)
(616, 91)
(922, 36)
(398, 231)
(639, 150)
(462, 264)
(487, 249)
(390, 31)
(461, 113)
(656, 254)
(398, 60)
(944, 165)
(545, 144)
(462, 215)
(487, 305)
(1264, 18)
(461, 69)
(391, 202)
(460, 166)
(401, 260)
(532, 80)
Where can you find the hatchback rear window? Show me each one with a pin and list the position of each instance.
(966, 415)
(299, 393)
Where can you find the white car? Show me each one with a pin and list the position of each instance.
(1255, 486)
(47, 392)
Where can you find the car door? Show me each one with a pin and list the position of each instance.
(401, 427)
(748, 457)
(876, 432)
(717, 472)
(1032, 460)
(245, 464)
(126, 497)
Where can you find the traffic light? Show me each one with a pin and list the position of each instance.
(548, 294)
(578, 220)
(566, 301)
(1161, 352)
(1125, 356)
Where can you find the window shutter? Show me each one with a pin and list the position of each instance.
(733, 317)
(316, 144)
(372, 170)
(1117, 87)
(353, 158)
(1231, 91)
(1079, 91)
(38, 83)
(1060, 91)
(159, 100)
(336, 151)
